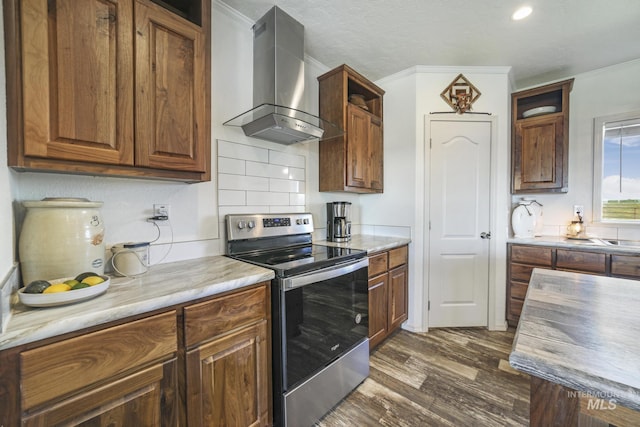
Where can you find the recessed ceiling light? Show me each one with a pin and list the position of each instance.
(521, 13)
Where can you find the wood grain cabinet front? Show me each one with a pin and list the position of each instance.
(204, 363)
(353, 161)
(123, 375)
(540, 139)
(108, 87)
(228, 360)
(388, 293)
(522, 259)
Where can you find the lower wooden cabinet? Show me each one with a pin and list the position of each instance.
(124, 375)
(522, 259)
(228, 373)
(388, 293)
(206, 363)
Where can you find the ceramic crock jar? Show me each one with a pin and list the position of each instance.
(61, 237)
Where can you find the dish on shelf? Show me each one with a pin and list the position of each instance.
(539, 110)
(358, 100)
(62, 298)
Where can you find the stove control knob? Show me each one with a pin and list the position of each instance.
(251, 224)
(241, 224)
(306, 220)
(298, 221)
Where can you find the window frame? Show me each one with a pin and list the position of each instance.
(598, 141)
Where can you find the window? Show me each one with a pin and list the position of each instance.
(616, 187)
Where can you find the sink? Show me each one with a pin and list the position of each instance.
(623, 243)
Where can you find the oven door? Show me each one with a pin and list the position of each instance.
(325, 315)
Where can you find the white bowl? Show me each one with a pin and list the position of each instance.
(62, 298)
(539, 110)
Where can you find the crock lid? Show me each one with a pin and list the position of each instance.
(61, 202)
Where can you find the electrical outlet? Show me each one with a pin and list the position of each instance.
(578, 210)
(161, 210)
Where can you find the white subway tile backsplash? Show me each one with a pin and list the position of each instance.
(257, 180)
(267, 198)
(286, 159)
(242, 151)
(242, 182)
(297, 199)
(231, 166)
(296, 174)
(286, 186)
(232, 197)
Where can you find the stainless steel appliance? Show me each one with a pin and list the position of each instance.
(339, 221)
(320, 312)
(278, 85)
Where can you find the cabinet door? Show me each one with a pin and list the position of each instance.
(539, 154)
(228, 380)
(145, 398)
(378, 308)
(397, 297)
(171, 106)
(77, 88)
(357, 147)
(376, 154)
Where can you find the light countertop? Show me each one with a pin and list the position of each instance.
(593, 244)
(369, 243)
(162, 286)
(581, 331)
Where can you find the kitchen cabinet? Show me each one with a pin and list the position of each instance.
(388, 293)
(117, 88)
(205, 362)
(228, 366)
(627, 266)
(352, 161)
(125, 375)
(522, 259)
(540, 141)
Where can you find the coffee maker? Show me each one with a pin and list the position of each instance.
(339, 221)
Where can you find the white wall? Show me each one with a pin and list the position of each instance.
(602, 92)
(410, 97)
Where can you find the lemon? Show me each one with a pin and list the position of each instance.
(80, 286)
(59, 287)
(92, 280)
(71, 282)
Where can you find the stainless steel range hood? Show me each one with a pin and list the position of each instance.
(278, 85)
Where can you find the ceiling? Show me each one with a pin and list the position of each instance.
(378, 38)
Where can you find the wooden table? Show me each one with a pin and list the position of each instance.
(579, 339)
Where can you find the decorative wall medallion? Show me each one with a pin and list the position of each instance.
(460, 94)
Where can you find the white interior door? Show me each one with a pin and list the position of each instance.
(459, 214)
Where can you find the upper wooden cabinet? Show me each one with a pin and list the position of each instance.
(108, 87)
(540, 139)
(352, 161)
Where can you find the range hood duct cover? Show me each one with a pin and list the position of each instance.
(278, 85)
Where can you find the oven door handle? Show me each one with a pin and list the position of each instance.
(324, 274)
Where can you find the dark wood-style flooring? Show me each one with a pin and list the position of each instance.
(446, 377)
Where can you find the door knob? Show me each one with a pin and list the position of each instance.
(485, 235)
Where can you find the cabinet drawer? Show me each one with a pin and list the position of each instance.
(398, 256)
(377, 264)
(518, 290)
(56, 369)
(625, 265)
(522, 272)
(531, 255)
(515, 307)
(209, 319)
(580, 261)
